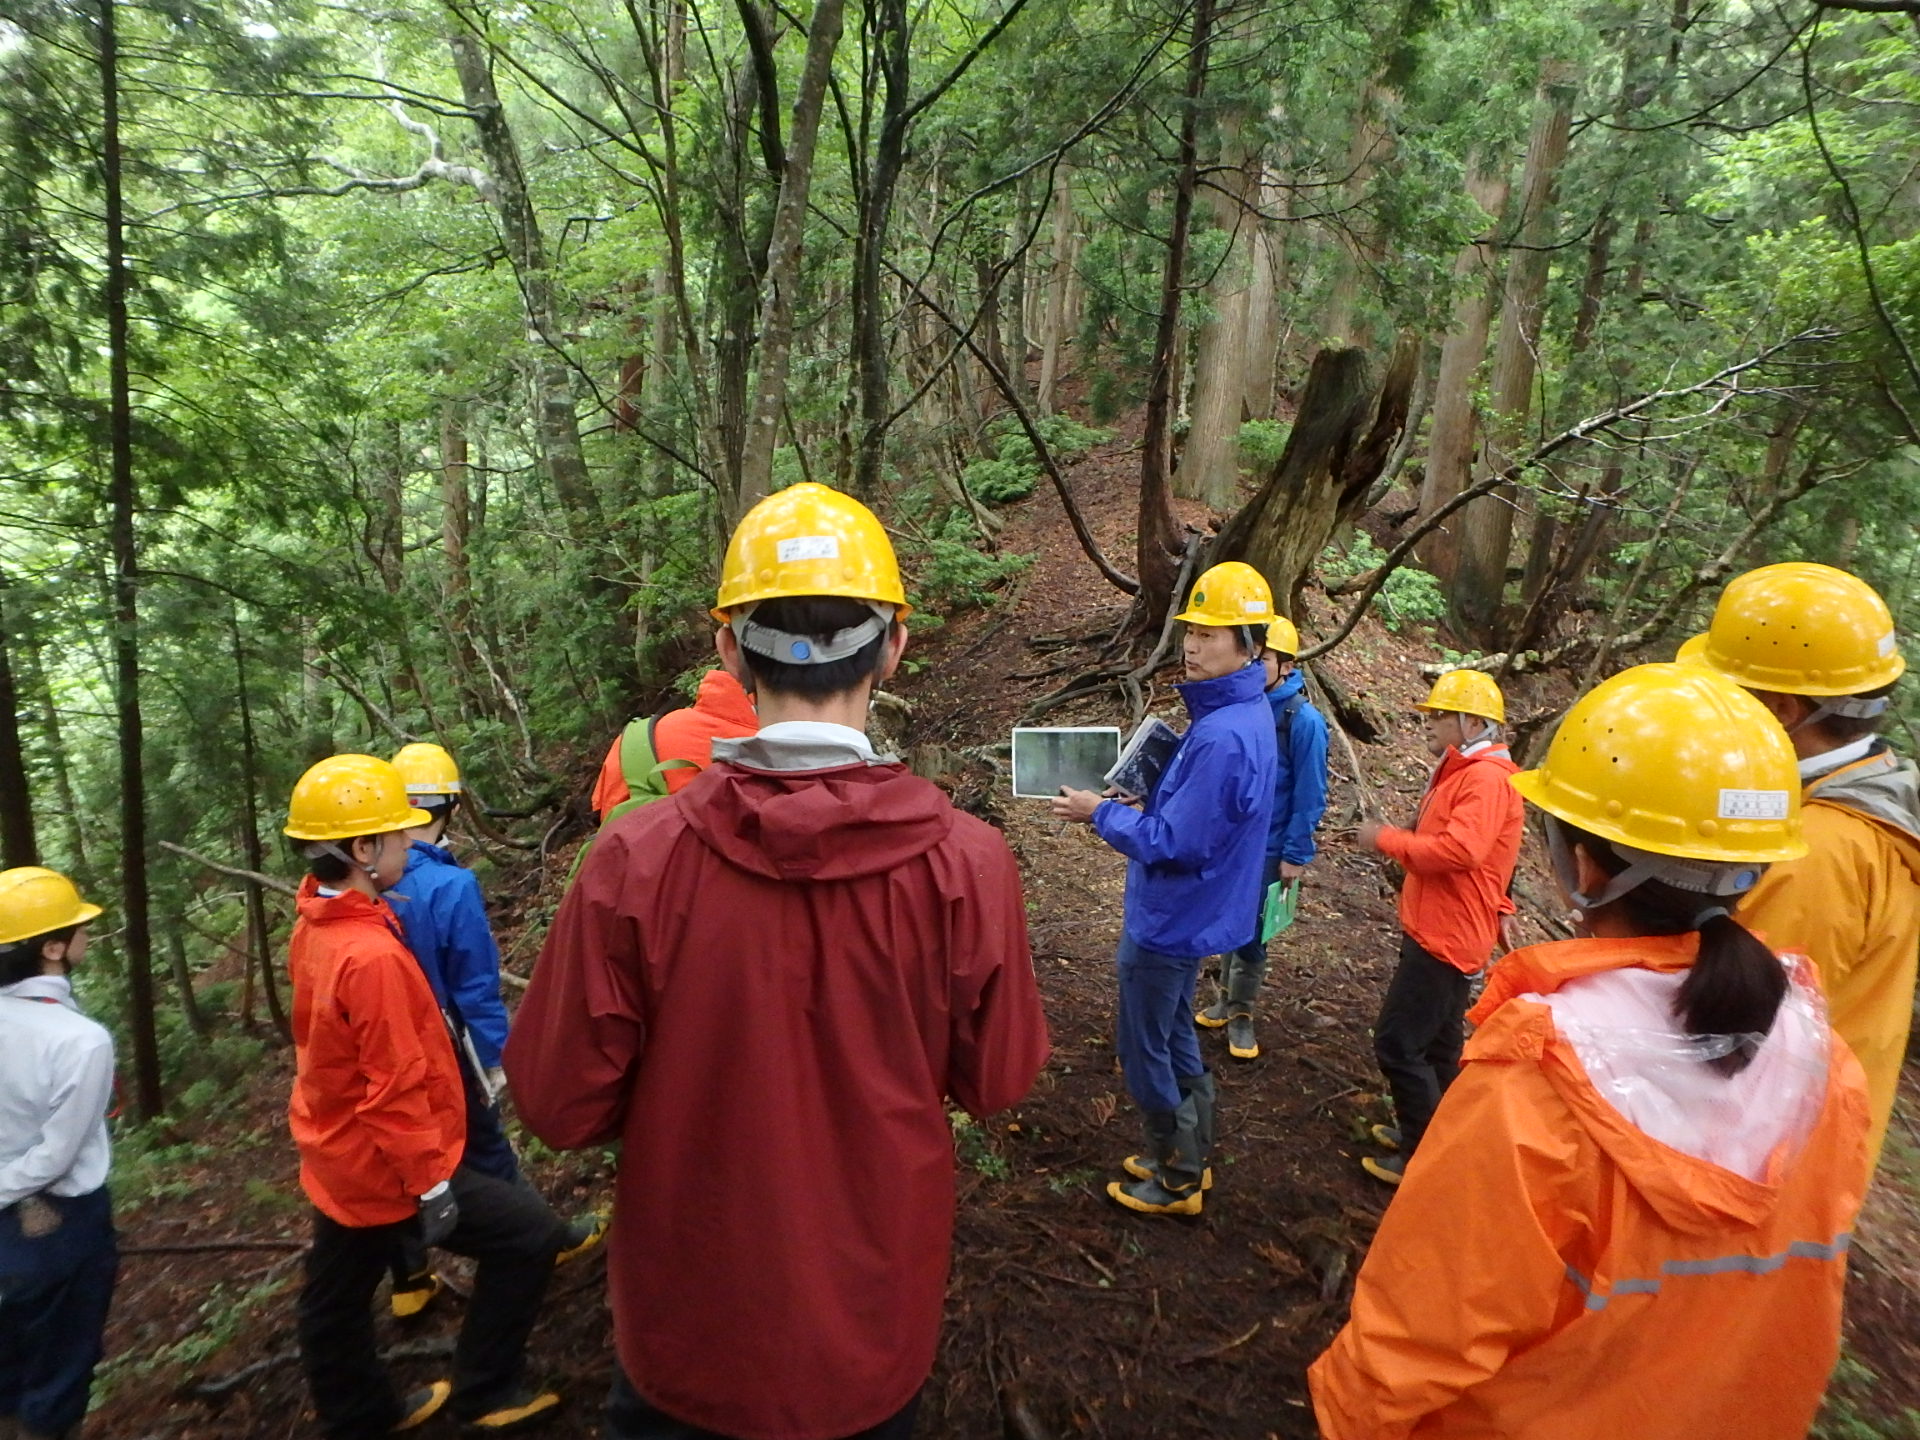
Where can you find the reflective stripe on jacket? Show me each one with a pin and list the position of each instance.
(1852, 905)
(1198, 847)
(378, 1112)
(1459, 857)
(1548, 1271)
(445, 922)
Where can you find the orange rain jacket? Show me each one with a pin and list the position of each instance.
(378, 1112)
(1459, 857)
(1852, 905)
(722, 711)
(1550, 1271)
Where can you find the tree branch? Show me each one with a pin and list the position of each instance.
(252, 877)
(1723, 380)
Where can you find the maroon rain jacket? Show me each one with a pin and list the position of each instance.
(768, 986)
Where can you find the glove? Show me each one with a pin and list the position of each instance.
(439, 1213)
(497, 1084)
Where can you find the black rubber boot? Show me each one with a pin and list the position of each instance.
(1175, 1186)
(1201, 1089)
(1243, 988)
(1216, 1014)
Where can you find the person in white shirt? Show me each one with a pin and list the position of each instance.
(58, 1254)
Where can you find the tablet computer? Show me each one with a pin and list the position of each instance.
(1045, 757)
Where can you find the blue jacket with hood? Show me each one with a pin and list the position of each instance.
(439, 905)
(1197, 848)
(1300, 784)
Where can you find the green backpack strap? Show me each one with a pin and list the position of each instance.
(645, 774)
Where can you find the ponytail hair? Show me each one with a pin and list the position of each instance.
(1736, 986)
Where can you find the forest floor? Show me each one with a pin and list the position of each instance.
(1066, 1315)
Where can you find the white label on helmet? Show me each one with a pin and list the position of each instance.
(1252, 607)
(1753, 804)
(1888, 643)
(808, 547)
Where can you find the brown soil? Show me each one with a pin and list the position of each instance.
(1066, 1315)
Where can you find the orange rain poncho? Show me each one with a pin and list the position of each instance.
(1601, 1237)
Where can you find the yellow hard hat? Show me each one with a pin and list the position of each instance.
(1282, 637)
(1676, 760)
(345, 796)
(34, 901)
(809, 540)
(1232, 593)
(427, 769)
(1467, 692)
(1800, 629)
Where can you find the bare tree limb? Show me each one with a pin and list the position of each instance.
(252, 877)
(1725, 381)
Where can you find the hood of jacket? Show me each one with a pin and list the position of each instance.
(722, 696)
(1288, 687)
(1702, 1149)
(827, 824)
(1886, 789)
(1236, 687)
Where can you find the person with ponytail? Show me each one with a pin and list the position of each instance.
(1630, 1216)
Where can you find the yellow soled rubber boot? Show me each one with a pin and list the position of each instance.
(1388, 1169)
(584, 1236)
(412, 1296)
(522, 1410)
(1177, 1184)
(1387, 1137)
(420, 1406)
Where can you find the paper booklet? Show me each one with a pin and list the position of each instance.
(1146, 755)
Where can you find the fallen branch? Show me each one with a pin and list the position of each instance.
(252, 877)
(212, 1247)
(1218, 1350)
(218, 1389)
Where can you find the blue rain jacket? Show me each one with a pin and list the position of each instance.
(1300, 785)
(439, 905)
(1198, 847)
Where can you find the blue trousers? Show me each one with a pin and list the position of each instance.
(54, 1296)
(1155, 1023)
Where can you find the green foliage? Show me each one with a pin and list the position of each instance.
(1409, 597)
(974, 1146)
(999, 482)
(956, 574)
(1262, 443)
(1852, 1410)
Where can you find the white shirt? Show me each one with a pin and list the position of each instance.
(56, 1081)
(819, 731)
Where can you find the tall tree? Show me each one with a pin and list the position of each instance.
(123, 499)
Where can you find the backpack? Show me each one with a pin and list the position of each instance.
(1283, 723)
(645, 774)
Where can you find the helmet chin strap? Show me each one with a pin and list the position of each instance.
(1699, 876)
(327, 847)
(1852, 707)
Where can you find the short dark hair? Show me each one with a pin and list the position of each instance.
(329, 869)
(440, 807)
(22, 959)
(1845, 729)
(817, 617)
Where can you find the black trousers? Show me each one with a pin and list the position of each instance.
(1418, 1037)
(54, 1294)
(631, 1418)
(513, 1235)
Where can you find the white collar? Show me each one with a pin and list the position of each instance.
(820, 731)
(41, 987)
(1485, 743)
(1814, 766)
